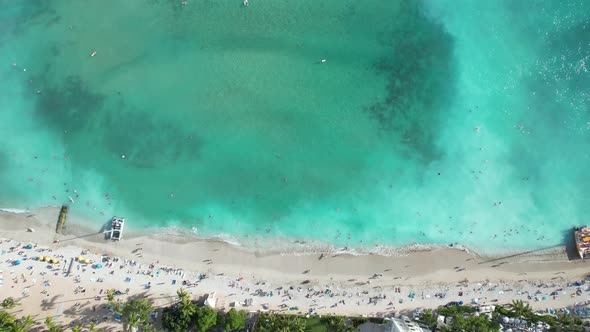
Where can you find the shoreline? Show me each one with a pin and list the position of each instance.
(359, 285)
(79, 234)
(271, 245)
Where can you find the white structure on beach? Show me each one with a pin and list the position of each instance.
(211, 300)
(116, 230)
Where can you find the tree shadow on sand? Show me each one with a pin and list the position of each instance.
(49, 304)
(89, 310)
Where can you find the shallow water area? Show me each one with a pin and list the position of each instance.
(431, 122)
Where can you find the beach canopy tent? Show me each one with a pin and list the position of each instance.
(16, 262)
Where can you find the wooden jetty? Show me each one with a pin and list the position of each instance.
(62, 219)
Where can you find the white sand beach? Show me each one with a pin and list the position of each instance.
(157, 266)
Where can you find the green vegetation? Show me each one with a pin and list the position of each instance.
(521, 309)
(314, 324)
(268, 322)
(357, 321)
(185, 315)
(136, 313)
(206, 318)
(9, 322)
(52, 326)
(453, 311)
(9, 303)
(234, 320)
(338, 324)
(428, 318)
(179, 317)
(471, 324)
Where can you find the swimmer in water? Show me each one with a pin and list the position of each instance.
(246, 3)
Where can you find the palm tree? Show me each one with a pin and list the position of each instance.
(520, 308)
(77, 328)
(149, 328)
(428, 318)
(9, 303)
(91, 327)
(52, 325)
(115, 304)
(267, 322)
(186, 307)
(136, 313)
(110, 295)
(26, 322)
(296, 324)
(182, 295)
(337, 324)
(564, 320)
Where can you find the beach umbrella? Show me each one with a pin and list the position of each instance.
(29, 246)
(54, 261)
(87, 261)
(16, 262)
(80, 258)
(41, 258)
(47, 259)
(98, 266)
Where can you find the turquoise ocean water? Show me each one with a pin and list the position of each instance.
(431, 122)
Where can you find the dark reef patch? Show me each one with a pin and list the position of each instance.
(30, 13)
(147, 140)
(420, 71)
(69, 106)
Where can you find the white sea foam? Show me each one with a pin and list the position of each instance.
(12, 210)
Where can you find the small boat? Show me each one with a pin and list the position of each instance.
(117, 225)
(582, 240)
(93, 53)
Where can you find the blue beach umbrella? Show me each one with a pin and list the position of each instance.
(98, 266)
(16, 262)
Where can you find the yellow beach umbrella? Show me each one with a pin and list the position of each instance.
(80, 258)
(86, 261)
(41, 258)
(54, 261)
(47, 259)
